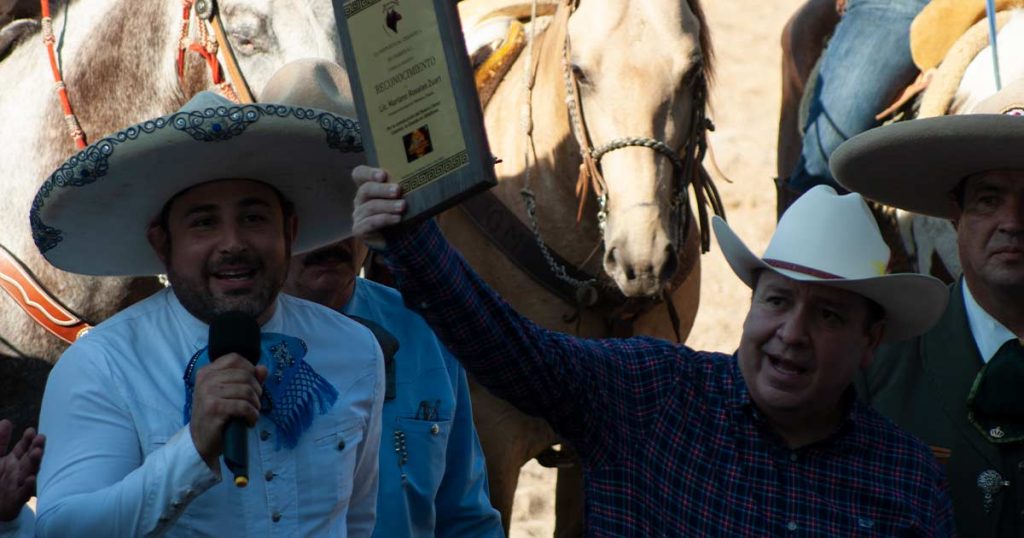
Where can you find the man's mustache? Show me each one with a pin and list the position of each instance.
(242, 259)
(1007, 242)
(336, 254)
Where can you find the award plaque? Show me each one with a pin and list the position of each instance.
(419, 112)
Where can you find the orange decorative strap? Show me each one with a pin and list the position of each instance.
(74, 129)
(36, 302)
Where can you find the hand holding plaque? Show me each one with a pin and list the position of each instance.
(417, 105)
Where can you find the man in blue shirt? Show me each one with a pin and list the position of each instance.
(433, 481)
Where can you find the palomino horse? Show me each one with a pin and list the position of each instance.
(119, 66)
(634, 75)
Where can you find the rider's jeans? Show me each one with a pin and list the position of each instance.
(864, 68)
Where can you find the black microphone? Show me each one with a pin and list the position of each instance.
(236, 332)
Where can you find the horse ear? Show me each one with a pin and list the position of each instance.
(157, 237)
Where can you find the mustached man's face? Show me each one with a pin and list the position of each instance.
(328, 275)
(226, 247)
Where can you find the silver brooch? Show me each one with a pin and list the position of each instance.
(283, 360)
(990, 482)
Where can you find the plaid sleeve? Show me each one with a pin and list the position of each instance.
(595, 393)
(942, 505)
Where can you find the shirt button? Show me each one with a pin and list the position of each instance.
(793, 457)
(435, 429)
(264, 435)
(791, 525)
(276, 517)
(1020, 466)
(341, 444)
(269, 475)
(424, 305)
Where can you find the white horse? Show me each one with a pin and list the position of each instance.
(119, 66)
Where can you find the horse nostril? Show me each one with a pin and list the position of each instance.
(609, 258)
(630, 273)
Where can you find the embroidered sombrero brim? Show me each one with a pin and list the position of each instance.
(90, 216)
(915, 165)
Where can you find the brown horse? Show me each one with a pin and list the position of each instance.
(635, 76)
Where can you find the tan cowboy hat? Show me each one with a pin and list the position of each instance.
(90, 216)
(915, 165)
(833, 240)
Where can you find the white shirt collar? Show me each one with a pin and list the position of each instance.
(989, 334)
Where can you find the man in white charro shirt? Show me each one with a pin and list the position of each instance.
(134, 411)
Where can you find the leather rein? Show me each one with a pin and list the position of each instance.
(15, 278)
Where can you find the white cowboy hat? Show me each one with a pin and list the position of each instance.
(90, 216)
(915, 165)
(833, 240)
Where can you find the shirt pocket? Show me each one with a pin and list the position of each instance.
(330, 469)
(419, 448)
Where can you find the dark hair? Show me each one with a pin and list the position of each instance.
(287, 208)
(875, 311)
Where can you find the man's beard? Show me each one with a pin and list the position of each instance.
(197, 297)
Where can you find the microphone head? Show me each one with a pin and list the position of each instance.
(235, 332)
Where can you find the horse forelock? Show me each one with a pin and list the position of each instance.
(707, 51)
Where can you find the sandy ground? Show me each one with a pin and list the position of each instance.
(745, 103)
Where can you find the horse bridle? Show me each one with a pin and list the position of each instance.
(235, 88)
(687, 170)
(15, 278)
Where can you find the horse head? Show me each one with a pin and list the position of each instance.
(640, 70)
(266, 34)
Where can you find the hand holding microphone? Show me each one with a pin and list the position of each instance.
(226, 398)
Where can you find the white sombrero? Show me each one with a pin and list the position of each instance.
(90, 216)
(833, 240)
(915, 165)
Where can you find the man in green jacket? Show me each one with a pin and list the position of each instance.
(960, 386)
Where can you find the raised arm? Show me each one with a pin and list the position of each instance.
(610, 390)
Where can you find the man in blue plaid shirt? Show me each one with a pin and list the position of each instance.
(768, 441)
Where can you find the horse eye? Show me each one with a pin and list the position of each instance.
(581, 77)
(247, 30)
